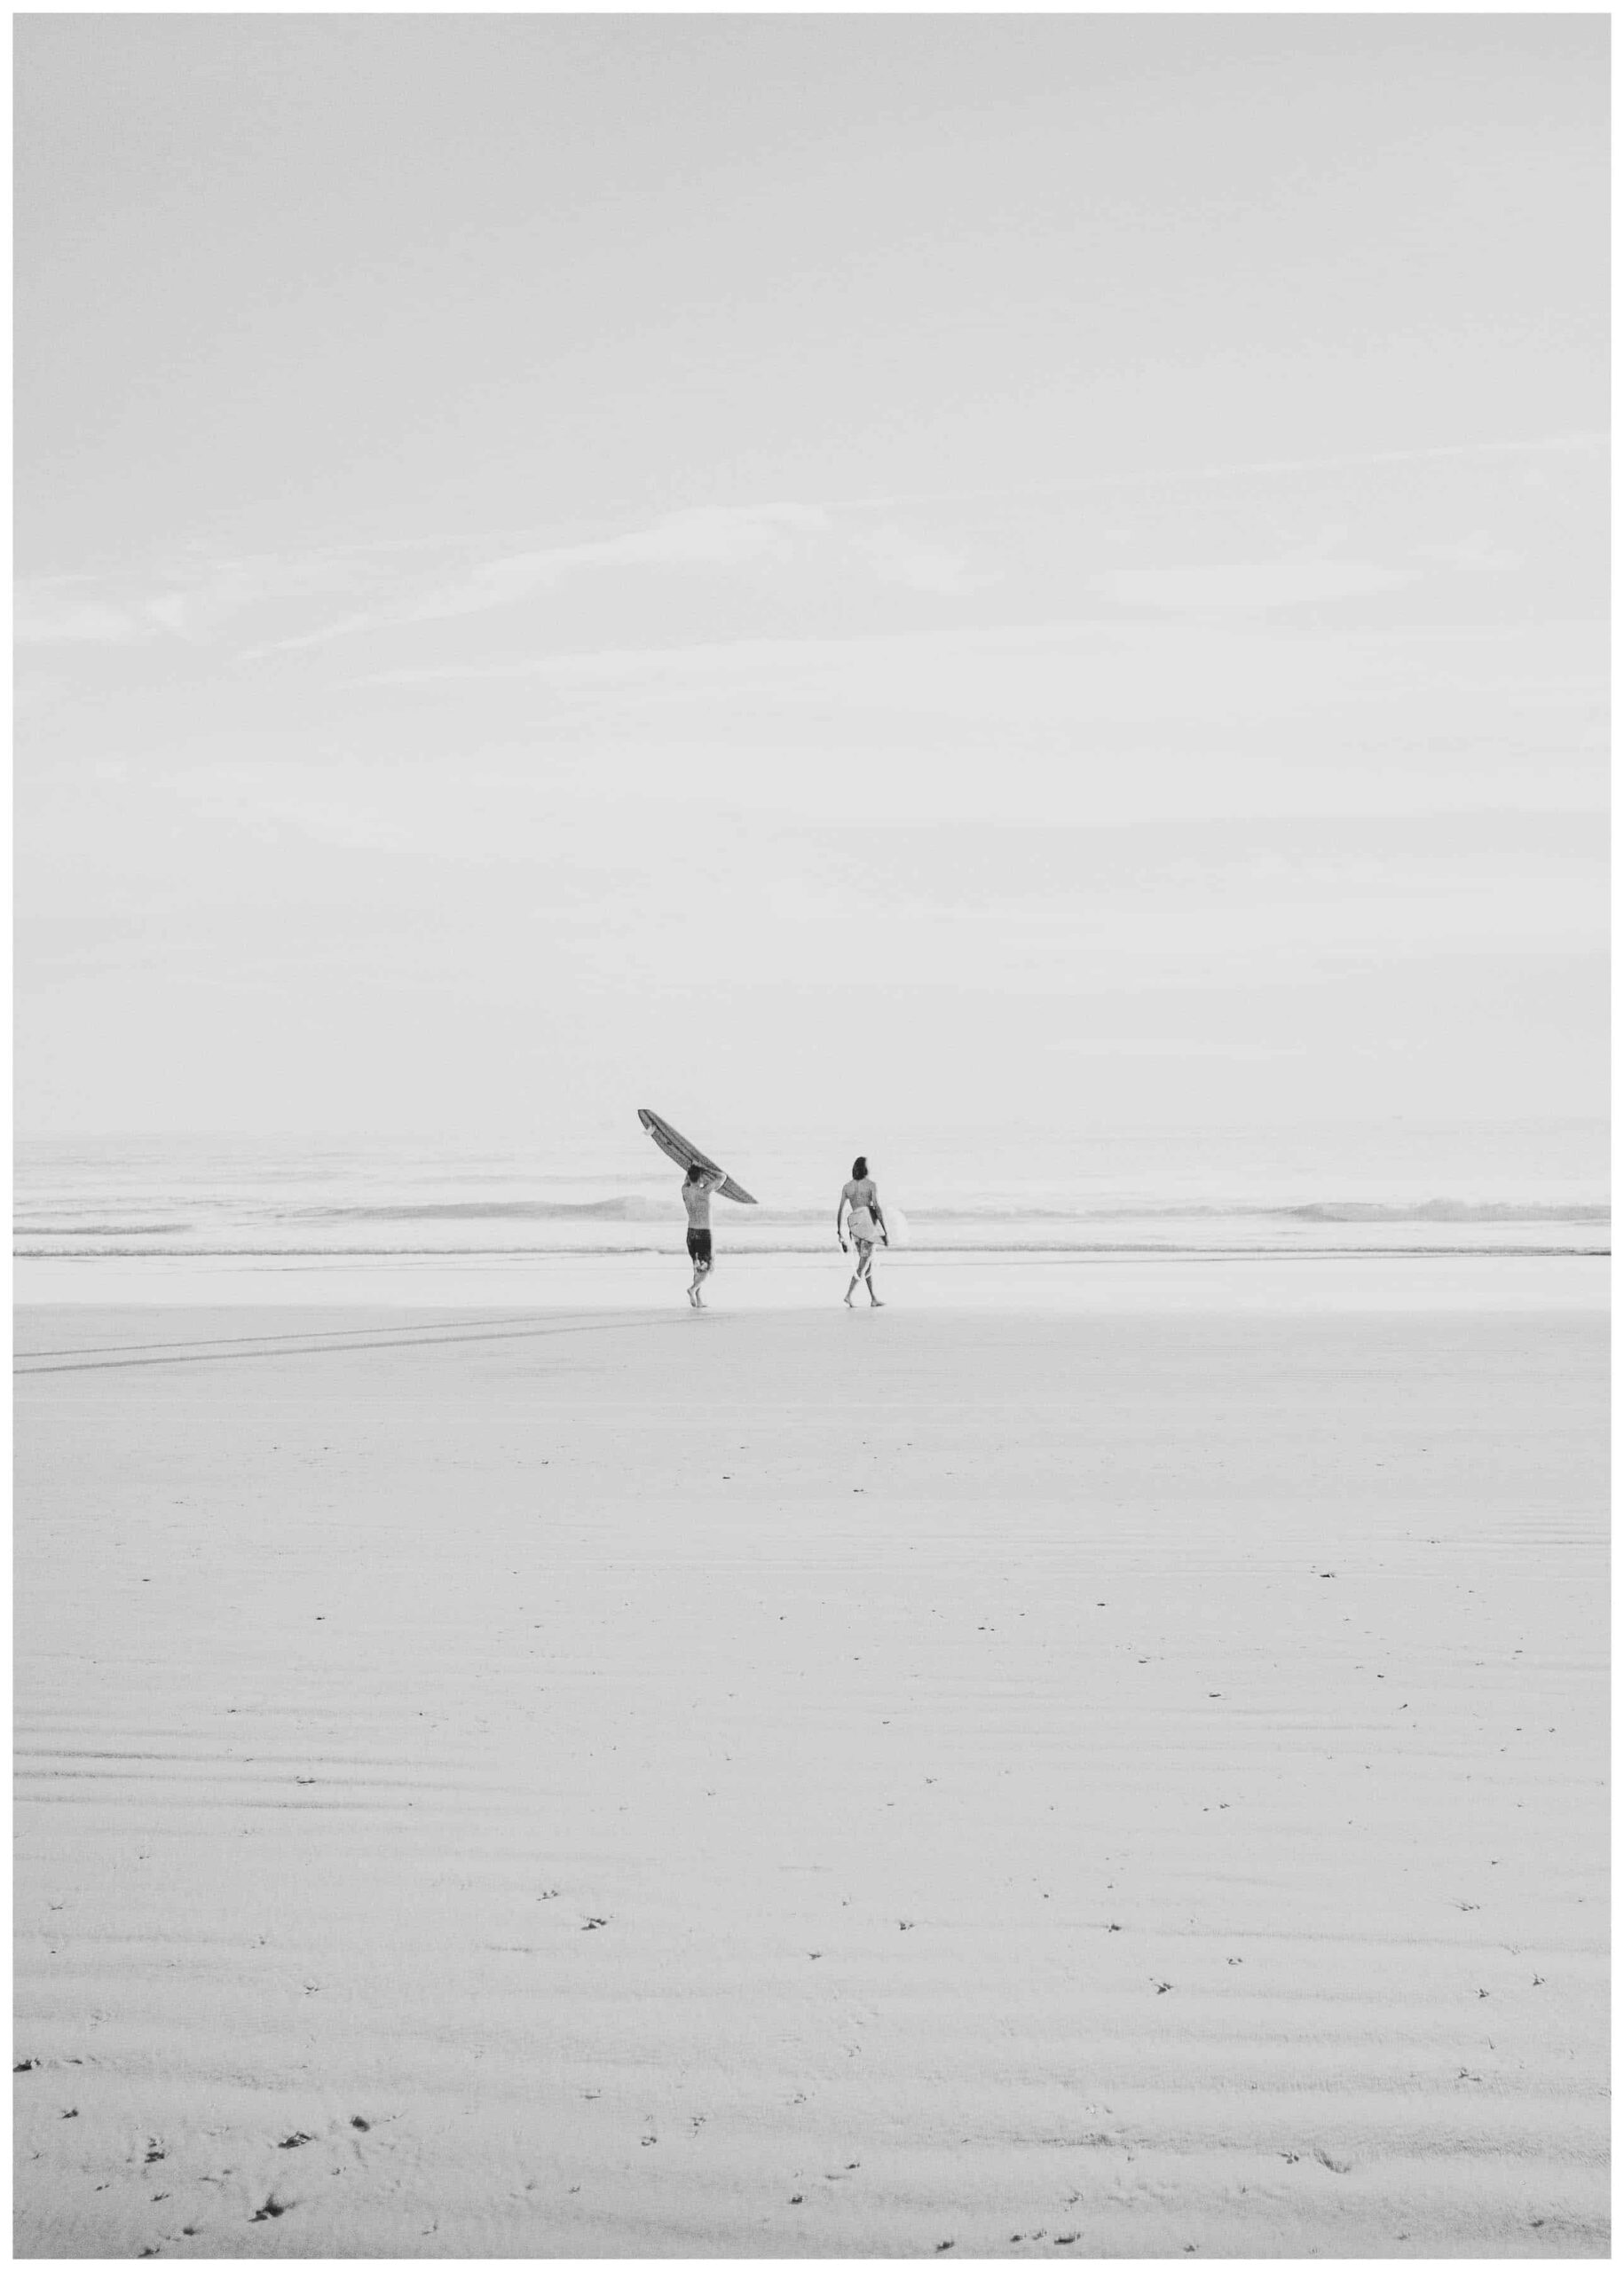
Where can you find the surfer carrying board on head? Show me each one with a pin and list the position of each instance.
(697, 1186)
(701, 1177)
(866, 1222)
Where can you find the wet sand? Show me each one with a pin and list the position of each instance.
(795, 1784)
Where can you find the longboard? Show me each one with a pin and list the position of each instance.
(677, 1147)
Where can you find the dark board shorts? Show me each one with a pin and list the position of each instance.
(699, 1246)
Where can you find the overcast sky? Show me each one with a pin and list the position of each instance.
(1010, 568)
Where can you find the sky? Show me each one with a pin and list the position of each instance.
(1015, 571)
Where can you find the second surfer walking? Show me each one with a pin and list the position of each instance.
(866, 1222)
(697, 1186)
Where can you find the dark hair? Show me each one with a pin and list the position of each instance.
(859, 1168)
(694, 1171)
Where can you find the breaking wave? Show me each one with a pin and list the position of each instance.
(1445, 1211)
(493, 1210)
(636, 1209)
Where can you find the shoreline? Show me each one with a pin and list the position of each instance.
(1045, 1281)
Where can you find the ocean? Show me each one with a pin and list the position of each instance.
(110, 1217)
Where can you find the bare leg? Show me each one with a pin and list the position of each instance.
(702, 1271)
(857, 1270)
(861, 1276)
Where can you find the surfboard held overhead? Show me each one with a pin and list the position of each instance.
(676, 1147)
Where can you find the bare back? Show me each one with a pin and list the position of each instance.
(697, 1198)
(861, 1195)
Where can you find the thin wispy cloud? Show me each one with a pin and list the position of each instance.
(935, 670)
(46, 615)
(728, 661)
(1242, 1052)
(896, 557)
(188, 602)
(716, 537)
(708, 536)
(199, 606)
(1479, 553)
(195, 601)
(1244, 588)
(1583, 444)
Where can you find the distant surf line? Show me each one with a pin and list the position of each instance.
(745, 1250)
(640, 1210)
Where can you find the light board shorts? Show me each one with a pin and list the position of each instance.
(865, 1229)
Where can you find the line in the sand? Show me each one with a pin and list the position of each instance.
(318, 1348)
(314, 1333)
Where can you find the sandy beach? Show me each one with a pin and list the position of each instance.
(569, 1783)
